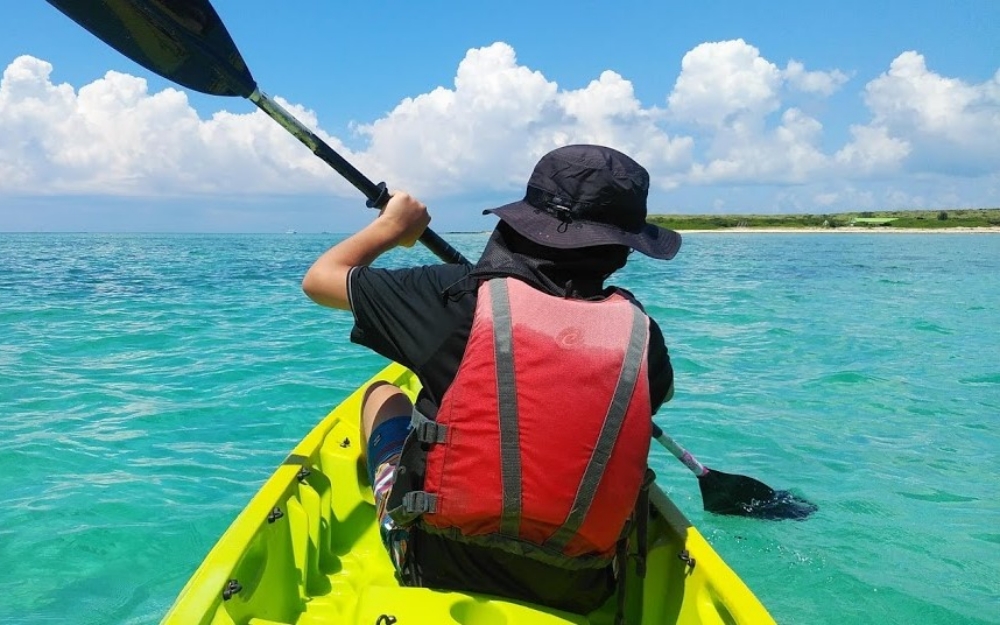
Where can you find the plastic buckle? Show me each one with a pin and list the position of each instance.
(419, 502)
(430, 432)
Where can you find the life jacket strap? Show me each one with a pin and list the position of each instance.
(427, 431)
(510, 437)
(622, 562)
(613, 420)
(642, 511)
(415, 503)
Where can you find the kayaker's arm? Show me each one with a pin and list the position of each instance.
(401, 222)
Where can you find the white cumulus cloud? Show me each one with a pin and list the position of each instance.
(733, 119)
(951, 125)
(500, 117)
(723, 80)
(872, 151)
(114, 137)
(822, 83)
(733, 91)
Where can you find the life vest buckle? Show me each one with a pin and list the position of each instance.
(414, 504)
(420, 502)
(427, 431)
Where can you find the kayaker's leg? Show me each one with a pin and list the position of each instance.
(383, 401)
(385, 421)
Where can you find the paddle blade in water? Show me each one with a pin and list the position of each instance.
(724, 493)
(181, 40)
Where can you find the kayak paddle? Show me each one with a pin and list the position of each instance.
(725, 493)
(186, 42)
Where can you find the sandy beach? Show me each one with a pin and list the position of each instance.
(849, 230)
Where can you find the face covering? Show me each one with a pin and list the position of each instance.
(577, 273)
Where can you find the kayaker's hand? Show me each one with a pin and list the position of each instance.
(401, 222)
(406, 216)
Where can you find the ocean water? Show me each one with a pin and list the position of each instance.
(150, 383)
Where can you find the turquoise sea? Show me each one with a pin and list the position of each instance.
(150, 383)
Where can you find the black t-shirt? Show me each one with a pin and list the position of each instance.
(421, 318)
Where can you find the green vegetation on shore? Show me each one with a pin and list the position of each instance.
(927, 219)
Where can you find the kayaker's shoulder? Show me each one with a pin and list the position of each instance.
(439, 279)
(449, 276)
(626, 294)
(439, 272)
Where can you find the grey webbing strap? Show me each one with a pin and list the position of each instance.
(427, 431)
(415, 503)
(510, 453)
(419, 502)
(627, 378)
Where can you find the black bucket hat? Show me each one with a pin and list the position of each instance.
(586, 195)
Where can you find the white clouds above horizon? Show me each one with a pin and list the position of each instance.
(113, 137)
(953, 125)
(733, 118)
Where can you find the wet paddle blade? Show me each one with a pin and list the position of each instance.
(724, 493)
(181, 40)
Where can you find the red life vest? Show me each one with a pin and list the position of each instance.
(540, 444)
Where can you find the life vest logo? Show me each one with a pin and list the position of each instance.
(569, 337)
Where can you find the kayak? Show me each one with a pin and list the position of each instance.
(306, 550)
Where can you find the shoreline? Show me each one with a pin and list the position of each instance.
(849, 230)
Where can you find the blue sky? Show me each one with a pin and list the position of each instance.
(734, 107)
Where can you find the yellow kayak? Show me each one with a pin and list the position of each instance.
(306, 550)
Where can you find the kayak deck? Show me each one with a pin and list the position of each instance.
(306, 550)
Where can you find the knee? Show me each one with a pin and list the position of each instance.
(383, 401)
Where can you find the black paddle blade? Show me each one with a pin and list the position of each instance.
(723, 493)
(181, 40)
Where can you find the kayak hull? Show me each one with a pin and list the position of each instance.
(306, 550)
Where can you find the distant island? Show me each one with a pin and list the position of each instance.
(979, 218)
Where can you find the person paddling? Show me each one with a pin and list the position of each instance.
(518, 471)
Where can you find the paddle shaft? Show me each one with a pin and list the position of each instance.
(679, 452)
(377, 194)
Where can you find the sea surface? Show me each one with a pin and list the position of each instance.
(150, 383)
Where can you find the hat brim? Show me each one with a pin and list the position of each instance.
(547, 229)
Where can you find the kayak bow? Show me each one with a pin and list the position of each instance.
(306, 550)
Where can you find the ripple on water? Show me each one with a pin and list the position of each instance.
(938, 496)
(981, 380)
(844, 378)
